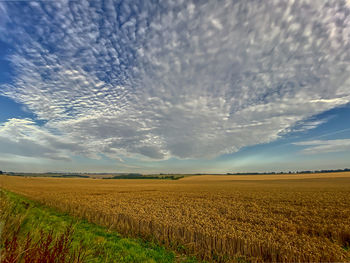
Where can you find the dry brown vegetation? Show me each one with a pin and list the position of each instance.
(18, 245)
(285, 218)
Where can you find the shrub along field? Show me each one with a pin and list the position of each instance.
(273, 218)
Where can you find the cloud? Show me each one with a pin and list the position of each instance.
(325, 146)
(311, 123)
(22, 137)
(176, 79)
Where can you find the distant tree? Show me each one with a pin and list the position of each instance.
(1, 172)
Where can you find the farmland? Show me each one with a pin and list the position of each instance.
(256, 217)
(33, 233)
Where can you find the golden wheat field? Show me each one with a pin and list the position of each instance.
(271, 218)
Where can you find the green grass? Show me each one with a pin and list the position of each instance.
(99, 244)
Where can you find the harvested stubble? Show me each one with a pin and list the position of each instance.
(277, 218)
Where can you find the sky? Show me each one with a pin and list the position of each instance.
(174, 86)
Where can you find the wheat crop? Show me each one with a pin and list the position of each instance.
(276, 218)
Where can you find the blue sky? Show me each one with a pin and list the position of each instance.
(174, 86)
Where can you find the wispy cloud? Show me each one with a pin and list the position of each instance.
(325, 146)
(22, 137)
(190, 80)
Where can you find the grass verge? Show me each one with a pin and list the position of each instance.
(31, 232)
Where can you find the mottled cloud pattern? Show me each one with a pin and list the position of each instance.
(185, 79)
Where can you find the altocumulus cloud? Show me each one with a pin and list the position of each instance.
(186, 79)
